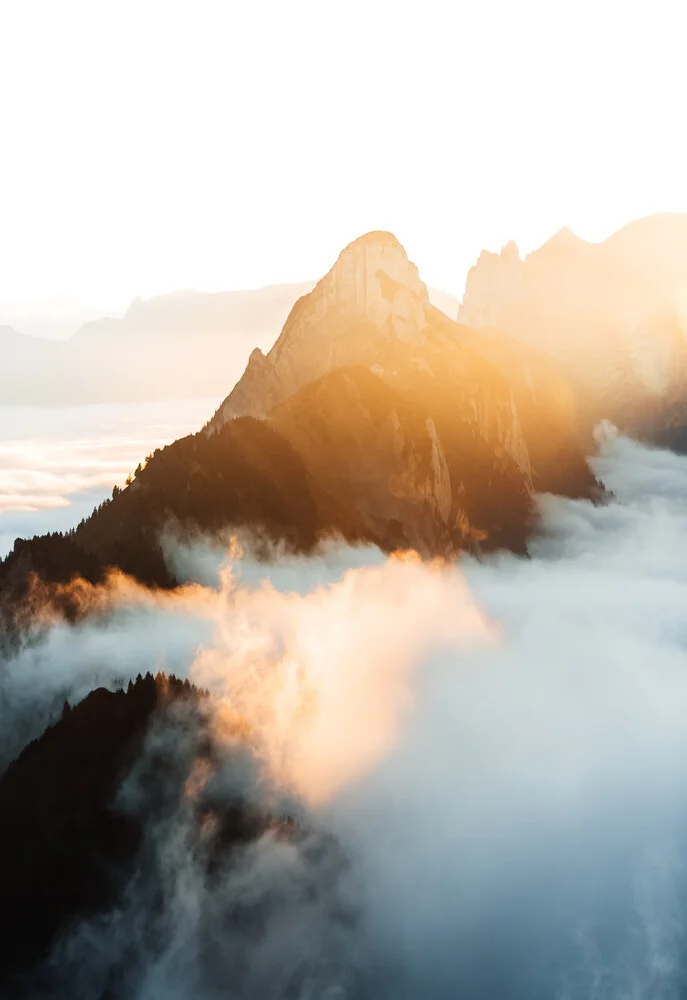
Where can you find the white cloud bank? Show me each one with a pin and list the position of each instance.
(56, 464)
(498, 749)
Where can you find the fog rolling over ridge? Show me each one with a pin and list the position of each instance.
(496, 810)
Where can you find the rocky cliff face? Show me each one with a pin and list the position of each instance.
(373, 312)
(370, 300)
(376, 460)
(613, 314)
(370, 310)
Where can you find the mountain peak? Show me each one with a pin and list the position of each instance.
(564, 239)
(377, 237)
(564, 233)
(368, 277)
(510, 251)
(371, 299)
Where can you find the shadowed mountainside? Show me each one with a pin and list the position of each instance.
(248, 475)
(66, 850)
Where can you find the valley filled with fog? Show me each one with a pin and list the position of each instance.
(496, 809)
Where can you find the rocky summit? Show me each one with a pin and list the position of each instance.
(369, 302)
(372, 311)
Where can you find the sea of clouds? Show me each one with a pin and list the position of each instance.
(487, 761)
(58, 463)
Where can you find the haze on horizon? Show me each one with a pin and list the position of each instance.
(144, 145)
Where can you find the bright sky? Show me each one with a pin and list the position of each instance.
(152, 146)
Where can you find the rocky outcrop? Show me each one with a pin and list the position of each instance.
(371, 310)
(613, 314)
(370, 301)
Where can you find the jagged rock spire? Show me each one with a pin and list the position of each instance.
(371, 297)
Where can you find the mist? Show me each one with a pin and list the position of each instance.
(485, 762)
(58, 463)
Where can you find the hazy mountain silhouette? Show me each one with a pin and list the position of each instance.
(48, 319)
(179, 345)
(184, 344)
(614, 314)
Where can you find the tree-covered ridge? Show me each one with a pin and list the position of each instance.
(69, 844)
(245, 475)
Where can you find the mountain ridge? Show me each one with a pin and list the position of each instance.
(613, 314)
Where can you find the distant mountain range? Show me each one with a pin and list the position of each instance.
(185, 344)
(613, 314)
(49, 319)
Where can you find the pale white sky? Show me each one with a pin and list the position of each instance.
(151, 146)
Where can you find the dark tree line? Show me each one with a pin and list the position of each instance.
(67, 848)
(245, 474)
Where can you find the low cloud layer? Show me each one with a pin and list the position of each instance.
(488, 759)
(57, 464)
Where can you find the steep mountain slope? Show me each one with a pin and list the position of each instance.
(374, 417)
(247, 475)
(389, 463)
(380, 473)
(350, 454)
(408, 436)
(373, 310)
(614, 314)
(371, 300)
